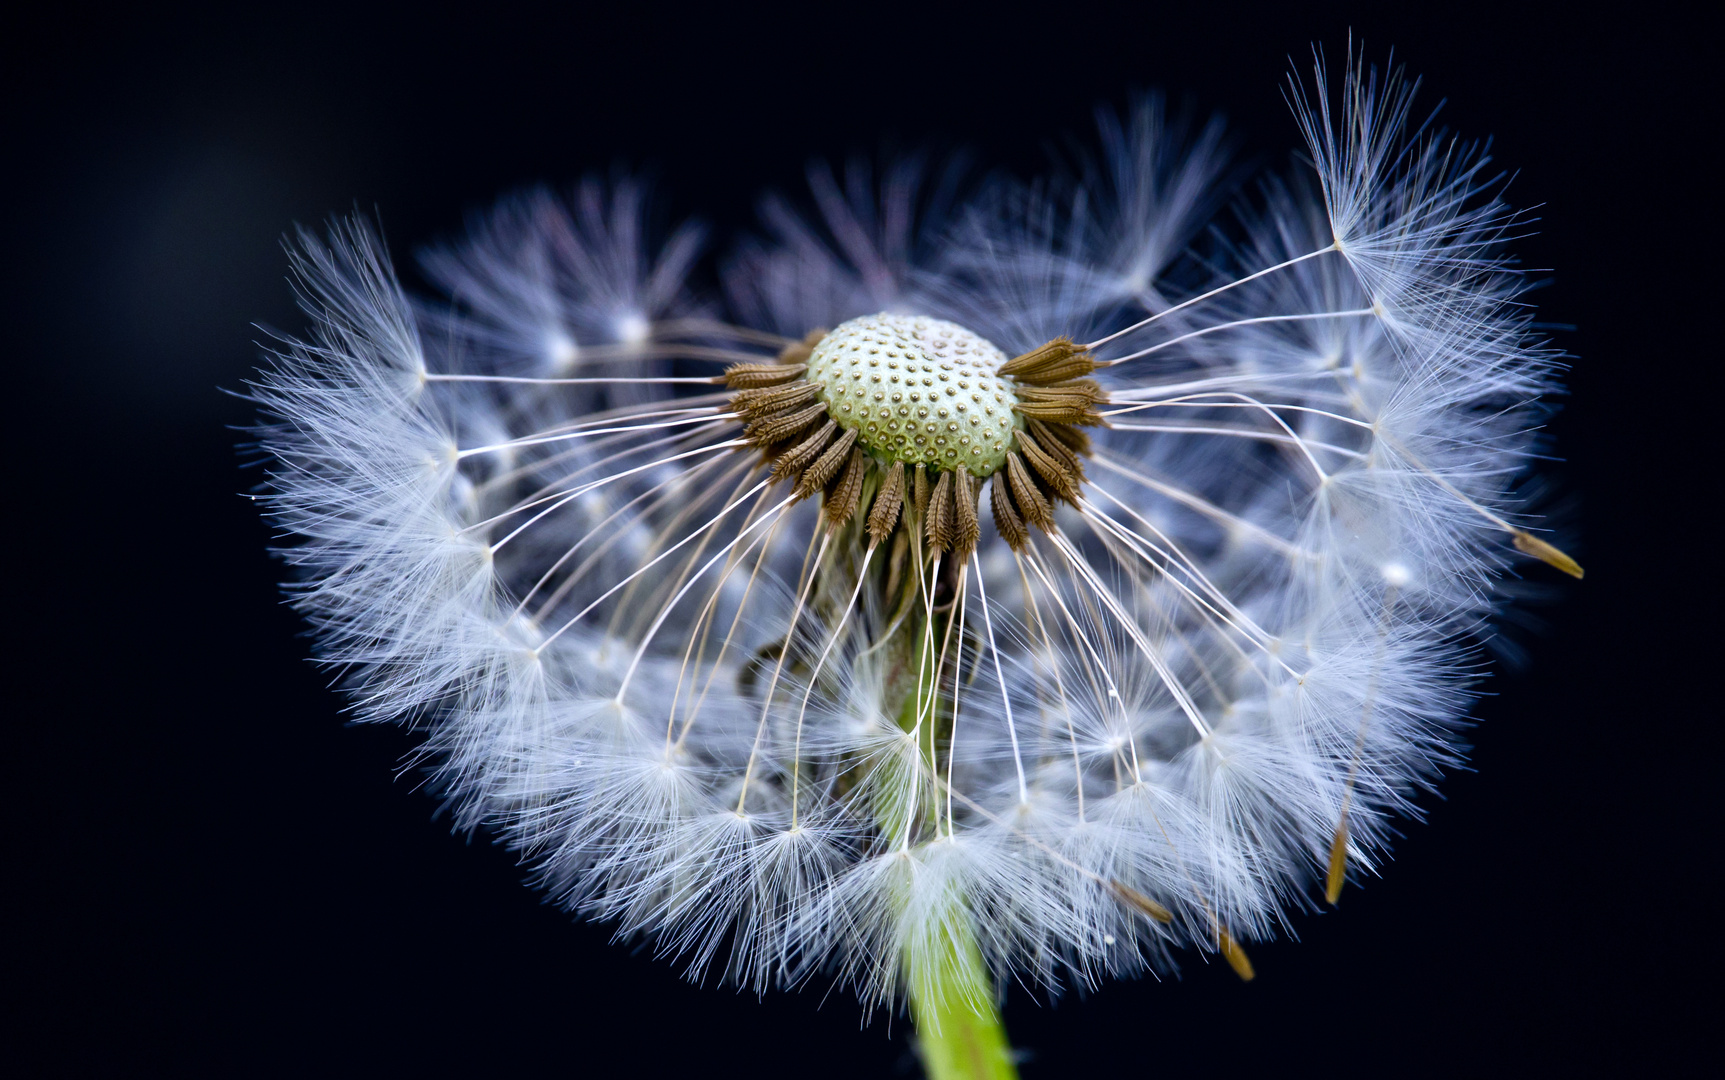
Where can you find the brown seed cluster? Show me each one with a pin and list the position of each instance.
(788, 419)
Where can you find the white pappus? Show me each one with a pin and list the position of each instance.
(1048, 578)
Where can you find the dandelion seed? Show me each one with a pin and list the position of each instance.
(979, 603)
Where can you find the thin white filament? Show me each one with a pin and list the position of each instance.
(1236, 324)
(810, 572)
(1213, 292)
(1130, 625)
(1000, 676)
(840, 625)
(665, 610)
(578, 616)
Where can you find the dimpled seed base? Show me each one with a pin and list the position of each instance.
(918, 390)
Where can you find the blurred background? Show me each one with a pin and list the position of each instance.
(219, 874)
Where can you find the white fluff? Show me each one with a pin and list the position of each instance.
(1264, 609)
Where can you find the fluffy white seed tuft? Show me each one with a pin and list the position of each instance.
(715, 712)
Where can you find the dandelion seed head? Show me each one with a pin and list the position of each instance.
(1065, 572)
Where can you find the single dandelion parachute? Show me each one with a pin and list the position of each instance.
(1005, 592)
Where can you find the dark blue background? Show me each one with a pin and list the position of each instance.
(218, 875)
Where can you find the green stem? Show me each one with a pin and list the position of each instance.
(958, 1028)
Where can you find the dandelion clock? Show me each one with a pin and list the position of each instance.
(1037, 586)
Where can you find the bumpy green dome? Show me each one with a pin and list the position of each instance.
(918, 390)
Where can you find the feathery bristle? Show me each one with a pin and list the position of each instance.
(1072, 402)
(1030, 501)
(827, 465)
(845, 491)
(792, 462)
(940, 513)
(1069, 443)
(1057, 472)
(1045, 365)
(768, 400)
(965, 528)
(777, 427)
(883, 516)
(1006, 520)
(758, 376)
